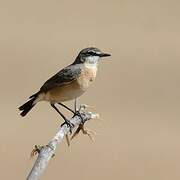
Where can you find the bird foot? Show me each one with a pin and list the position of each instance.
(69, 124)
(77, 113)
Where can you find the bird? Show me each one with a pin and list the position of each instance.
(69, 83)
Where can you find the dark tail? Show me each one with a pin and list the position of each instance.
(25, 108)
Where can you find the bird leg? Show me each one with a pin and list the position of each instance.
(67, 122)
(75, 105)
(76, 112)
(63, 105)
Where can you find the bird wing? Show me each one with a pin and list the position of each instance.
(64, 76)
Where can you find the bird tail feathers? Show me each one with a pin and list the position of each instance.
(26, 107)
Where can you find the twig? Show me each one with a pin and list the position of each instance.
(47, 152)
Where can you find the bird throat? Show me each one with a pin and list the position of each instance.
(90, 70)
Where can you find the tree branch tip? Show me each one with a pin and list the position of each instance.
(85, 106)
(67, 140)
(94, 116)
(36, 150)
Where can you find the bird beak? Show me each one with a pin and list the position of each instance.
(104, 55)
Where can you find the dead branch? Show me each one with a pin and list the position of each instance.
(45, 153)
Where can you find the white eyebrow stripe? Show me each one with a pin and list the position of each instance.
(95, 52)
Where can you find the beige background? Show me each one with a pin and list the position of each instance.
(136, 92)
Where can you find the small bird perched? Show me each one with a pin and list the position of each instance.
(69, 83)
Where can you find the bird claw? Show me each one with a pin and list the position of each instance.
(77, 113)
(82, 108)
(69, 124)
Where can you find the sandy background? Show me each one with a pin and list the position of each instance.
(139, 106)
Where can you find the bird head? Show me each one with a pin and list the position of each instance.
(90, 55)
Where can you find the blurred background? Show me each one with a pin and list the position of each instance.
(139, 122)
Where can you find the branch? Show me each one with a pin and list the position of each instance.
(48, 151)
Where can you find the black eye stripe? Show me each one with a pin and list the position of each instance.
(92, 53)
